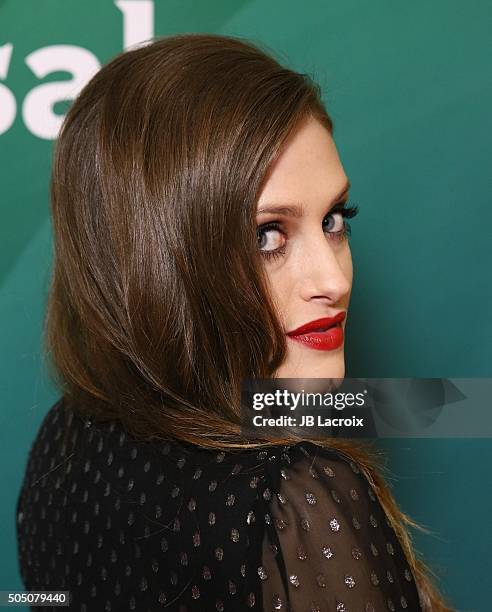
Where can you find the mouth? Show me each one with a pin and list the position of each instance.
(324, 328)
(318, 325)
(320, 335)
(327, 340)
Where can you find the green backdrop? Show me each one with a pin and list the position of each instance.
(409, 88)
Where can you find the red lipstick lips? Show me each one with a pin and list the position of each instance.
(323, 334)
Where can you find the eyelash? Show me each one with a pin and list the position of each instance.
(347, 212)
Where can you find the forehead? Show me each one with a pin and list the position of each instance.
(308, 167)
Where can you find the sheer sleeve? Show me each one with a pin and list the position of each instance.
(328, 544)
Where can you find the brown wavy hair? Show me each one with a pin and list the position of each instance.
(159, 306)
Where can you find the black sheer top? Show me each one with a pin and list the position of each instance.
(129, 525)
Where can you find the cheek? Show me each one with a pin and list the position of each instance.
(281, 284)
(346, 264)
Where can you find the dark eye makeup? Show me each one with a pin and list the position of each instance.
(343, 208)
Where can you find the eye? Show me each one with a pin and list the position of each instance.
(271, 239)
(334, 222)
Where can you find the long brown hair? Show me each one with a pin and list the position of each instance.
(159, 306)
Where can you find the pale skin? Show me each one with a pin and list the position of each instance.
(313, 279)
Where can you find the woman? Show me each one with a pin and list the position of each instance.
(198, 207)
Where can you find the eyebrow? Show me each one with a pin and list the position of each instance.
(297, 210)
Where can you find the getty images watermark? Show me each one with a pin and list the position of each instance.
(295, 401)
(368, 407)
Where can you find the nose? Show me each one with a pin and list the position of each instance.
(325, 270)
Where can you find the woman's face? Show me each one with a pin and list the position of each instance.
(308, 265)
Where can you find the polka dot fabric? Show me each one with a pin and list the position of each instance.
(128, 525)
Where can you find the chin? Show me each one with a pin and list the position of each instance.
(317, 365)
(333, 371)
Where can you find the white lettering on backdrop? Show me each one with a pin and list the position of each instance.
(37, 108)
